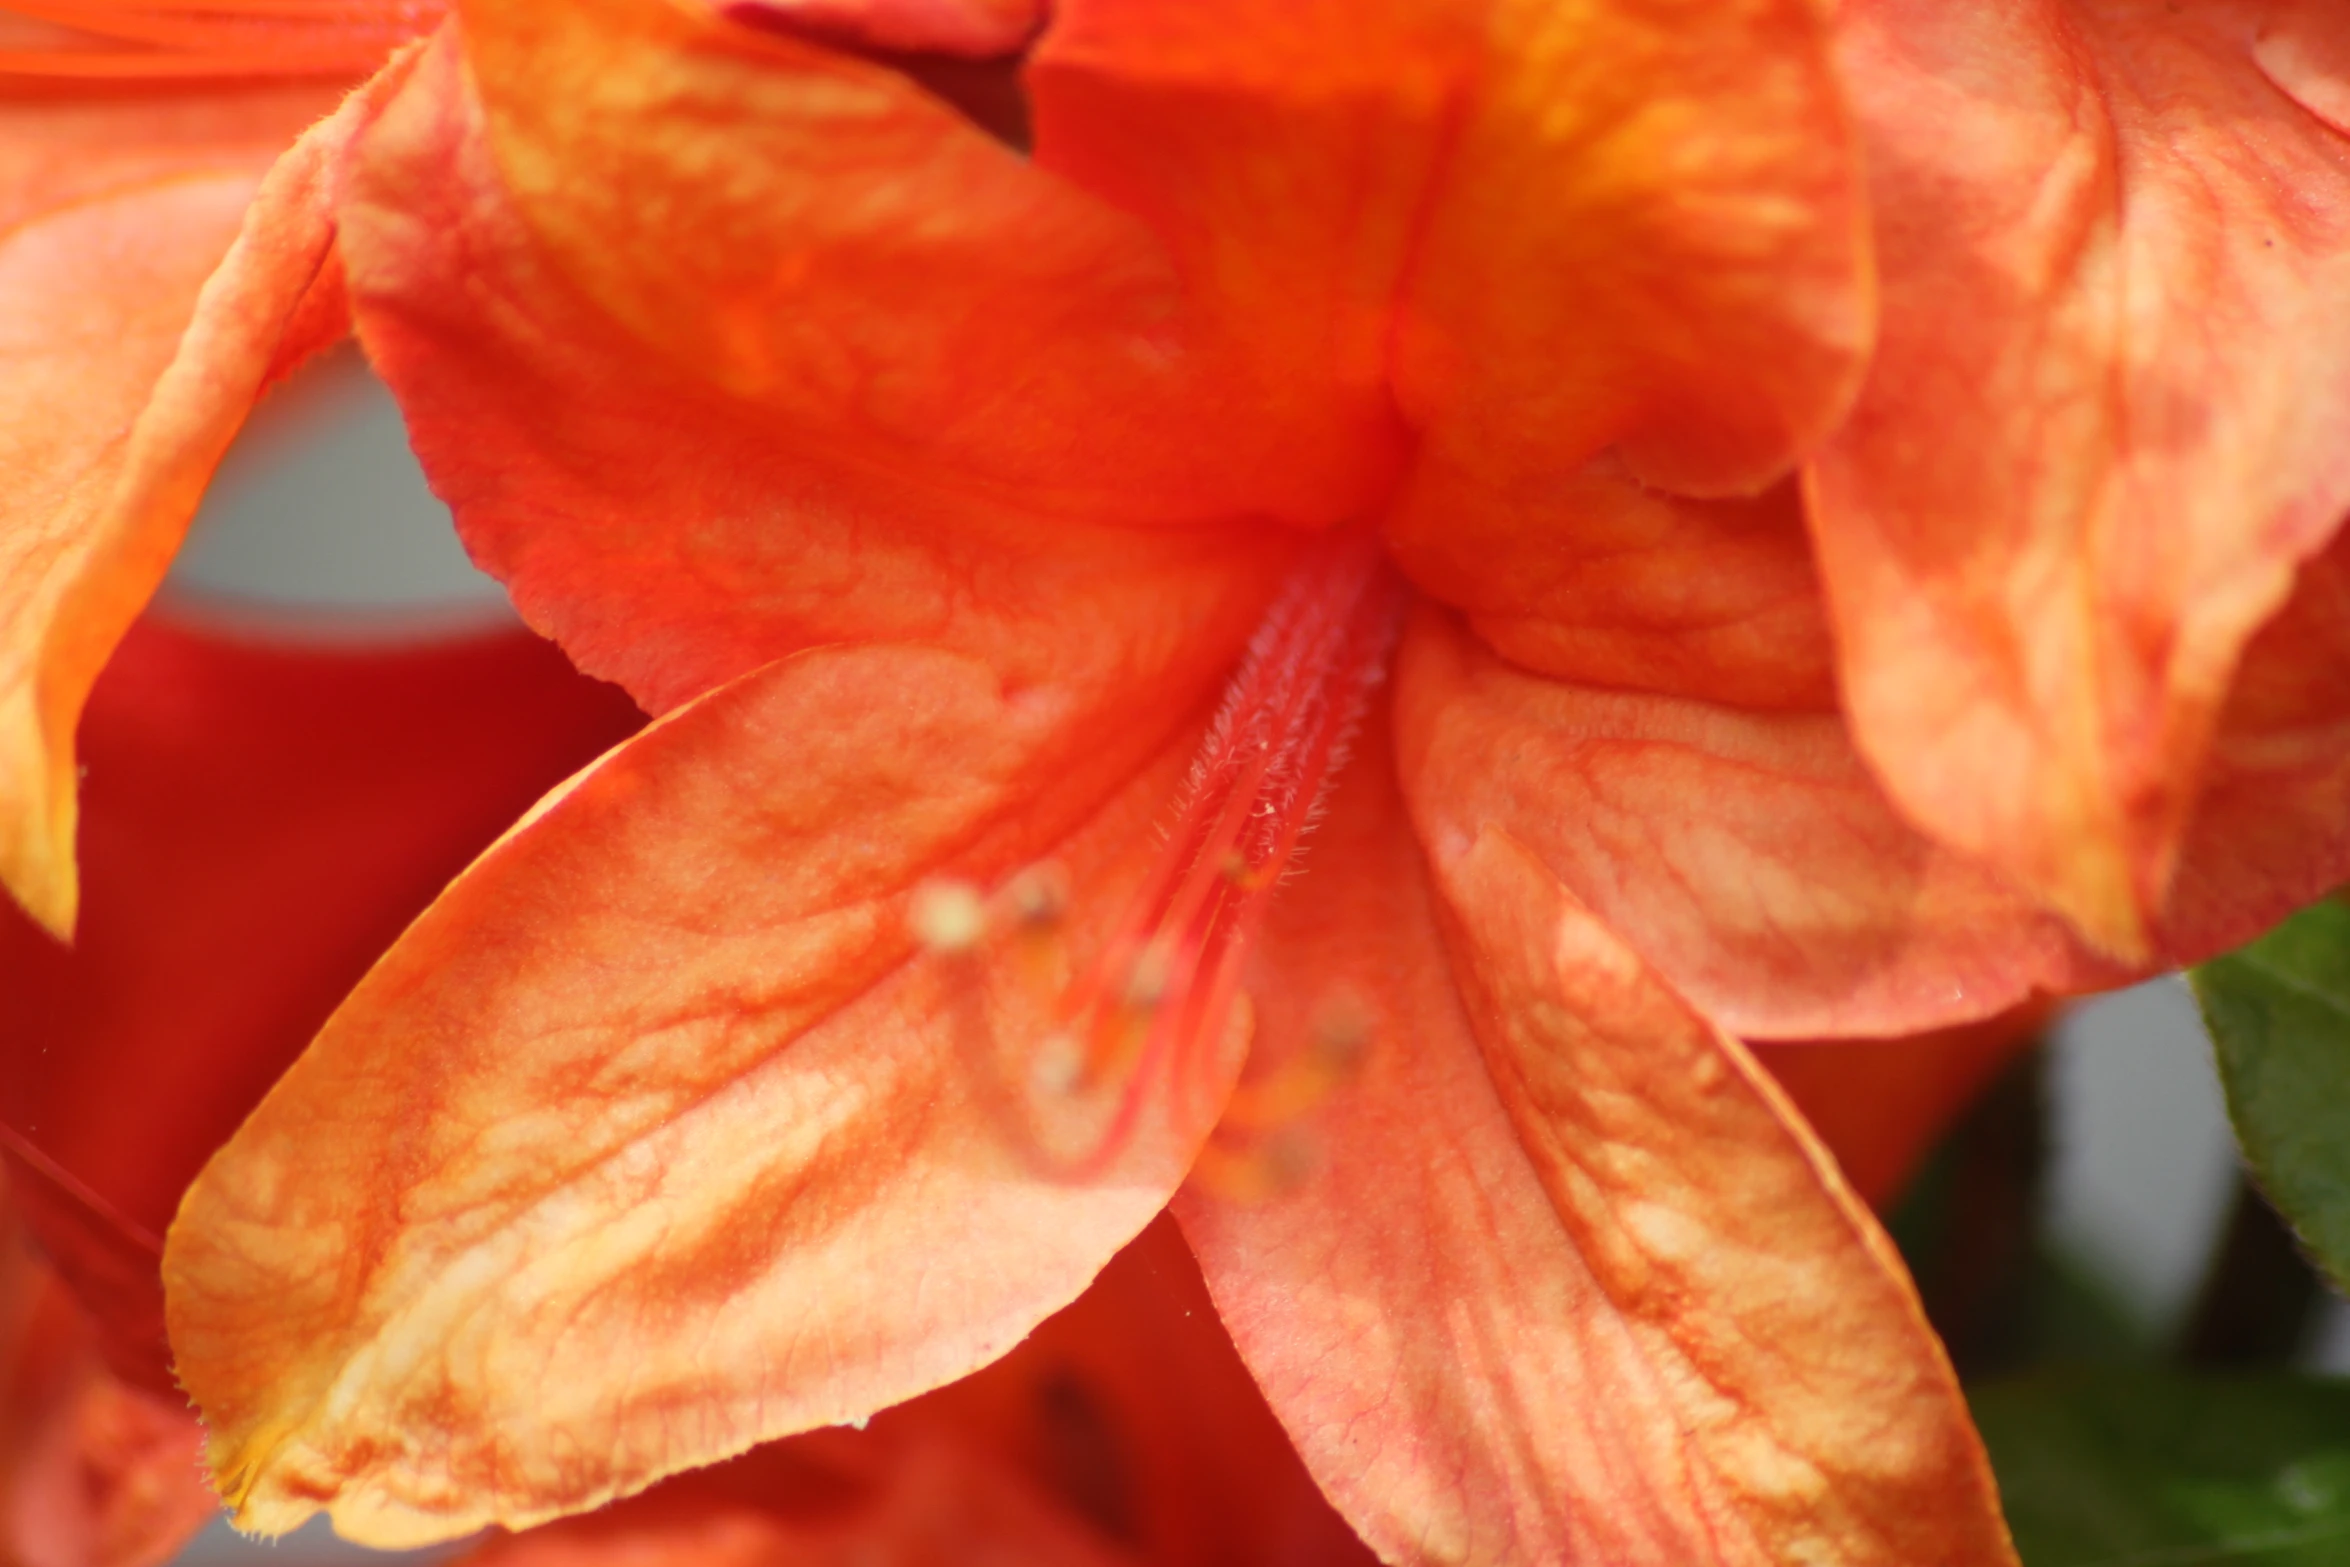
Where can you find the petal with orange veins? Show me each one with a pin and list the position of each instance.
(845, 250)
(1125, 1428)
(1646, 241)
(673, 534)
(1283, 153)
(1571, 1283)
(659, 1136)
(149, 293)
(1715, 600)
(1748, 856)
(2105, 422)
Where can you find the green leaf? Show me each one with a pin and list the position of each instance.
(2279, 1015)
(2134, 1467)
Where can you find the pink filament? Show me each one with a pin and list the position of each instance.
(1254, 790)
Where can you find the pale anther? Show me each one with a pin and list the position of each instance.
(1058, 1064)
(947, 915)
(1038, 897)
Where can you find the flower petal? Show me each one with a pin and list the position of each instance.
(2106, 417)
(1629, 589)
(1125, 1424)
(842, 250)
(1572, 1284)
(1747, 856)
(1134, 1408)
(1647, 235)
(1282, 153)
(657, 1137)
(674, 534)
(133, 350)
(260, 821)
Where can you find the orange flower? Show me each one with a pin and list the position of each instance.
(261, 820)
(822, 1041)
(1124, 1430)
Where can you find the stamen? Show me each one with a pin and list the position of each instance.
(1338, 1039)
(1161, 1003)
(130, 41)
(947, 915)
(1270, 1167)
(1157, 1008)
(1038, 898)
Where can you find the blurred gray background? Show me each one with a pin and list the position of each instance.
(320, 525)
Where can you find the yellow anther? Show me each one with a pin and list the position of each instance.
(1260, 1171)
(947, 915)
(1059, 1063)
(1341, 1032)
(1243, 876)
(1147, 981)
(1338, 1038)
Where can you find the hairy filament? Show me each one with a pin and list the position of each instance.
(1164, 995)
(1161, 1004)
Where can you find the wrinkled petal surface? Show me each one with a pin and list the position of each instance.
(1125, 1428)
(658, 1137)
(2105, 421)
(1747, 856)
(154, 271)
(1618, 586)
(670, 533)
(880, 275)
(1647, 234)
(985, 372)
(1571, 1283)
(260, 822)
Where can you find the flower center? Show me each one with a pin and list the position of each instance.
(1152, 1011)
(193, 40)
